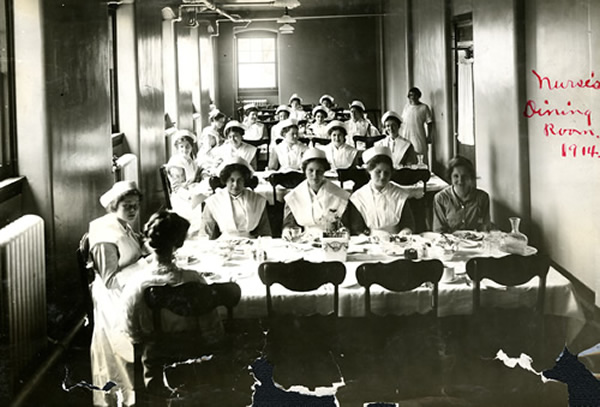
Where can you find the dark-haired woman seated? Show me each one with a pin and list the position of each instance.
(235, 211)
(315, 202)
(165, 232)
(381, 205)
(461, 206)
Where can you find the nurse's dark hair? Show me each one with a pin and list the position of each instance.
(231, 168)
(219, 115)
(342, 129)
(416, 91)
(112, 207)
(185, 138)
(460, 161)
(165, 231)
(285, 130)
(379, 159)
(324, 163)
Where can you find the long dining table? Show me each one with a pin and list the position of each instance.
(220, 261)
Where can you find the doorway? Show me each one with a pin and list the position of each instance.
(463, 106)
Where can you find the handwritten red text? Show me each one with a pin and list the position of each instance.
(588, 83)
(532, 110)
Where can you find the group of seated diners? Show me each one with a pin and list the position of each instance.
(378, 208)
(195, 159)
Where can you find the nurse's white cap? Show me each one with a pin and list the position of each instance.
(326, 97)
(312, 153)
(250, 106)
(283, 108)
(295, 96)
(336, 124)
(182, 133)
(119, 189)
(214, 113)
(234, 124)
(287, 123)
(374, 151)
(319, 108)
(359, 104)
(235, 160)
(390, 114)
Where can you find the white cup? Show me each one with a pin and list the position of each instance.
(448, 275)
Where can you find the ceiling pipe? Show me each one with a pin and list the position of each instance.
(322, 17)
(209, 5)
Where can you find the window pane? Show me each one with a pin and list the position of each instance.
(256, 76)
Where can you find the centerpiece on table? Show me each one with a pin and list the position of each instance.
(335, 238)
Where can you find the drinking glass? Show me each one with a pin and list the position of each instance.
(295, 233)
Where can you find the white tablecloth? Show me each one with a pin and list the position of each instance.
(454, 298)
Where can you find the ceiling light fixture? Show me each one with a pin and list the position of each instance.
(286, 18)
(286, 22)
(286, 29)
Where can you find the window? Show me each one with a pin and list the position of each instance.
(257, 61)
(7, 101)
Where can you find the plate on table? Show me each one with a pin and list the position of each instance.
(430, 235)
(471, 235)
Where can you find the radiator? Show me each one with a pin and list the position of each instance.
(22, 296)
(127, 168)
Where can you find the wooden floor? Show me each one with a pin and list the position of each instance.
(412, 364)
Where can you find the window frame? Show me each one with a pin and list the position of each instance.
(256, 92)
(8, 153)
(113, 69)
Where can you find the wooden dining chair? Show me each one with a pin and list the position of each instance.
(287, 180)
(166, 185)
(304, 140)
(302, 276)
(165, 353)
(320, 141)
(400, 275)
(410, 176)
(302, 348)
(397, 340)
(261, 163)
(509, 271)
(420, 207)
(360, 176)
(368, 141)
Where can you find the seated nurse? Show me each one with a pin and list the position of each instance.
(381, 205)
(403, 152)
(338, 152)
(315, 202)
(113, 246)
(113, 242)
(234, 146)
(234, 211)
(461, 206)
(287, 155)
